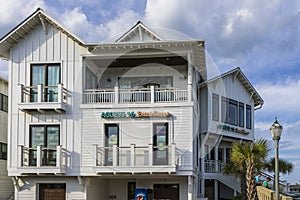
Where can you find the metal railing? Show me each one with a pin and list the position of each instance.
(213, 166)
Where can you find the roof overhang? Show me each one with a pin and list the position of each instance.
(39, 17)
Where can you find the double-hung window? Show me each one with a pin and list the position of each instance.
(248, 116)
(233, 112)
(47, 75)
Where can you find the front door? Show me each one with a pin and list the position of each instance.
(111, 139)
(52, 191)
(166, 191)
(160, 144)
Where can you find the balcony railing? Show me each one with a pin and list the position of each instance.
(138, 95)
(42, 97)
(213, 166)
(41, 159)
(137, 159)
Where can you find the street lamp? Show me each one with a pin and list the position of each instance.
(276, 131)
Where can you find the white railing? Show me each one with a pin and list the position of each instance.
(213, 166)
(137, 95)
(99, 96)
(135, 156)
(40, 93)
(41, 156)
(264, 193)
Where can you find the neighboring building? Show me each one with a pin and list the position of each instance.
(110, 119)
(6, 184)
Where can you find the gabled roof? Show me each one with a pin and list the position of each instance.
(39, 17)
(139, 30)
(237, 72)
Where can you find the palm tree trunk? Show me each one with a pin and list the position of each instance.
(250, 182)
(243, 185)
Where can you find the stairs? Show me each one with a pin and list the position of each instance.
(228, 180)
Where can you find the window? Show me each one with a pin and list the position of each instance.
(46, 136)
(233, 112)
(215, 107)
(224, 109)
(241, 114)
(248, 116)
(111, 139)
(3, 102)
(3, 151)
(160, 143)
(49, 76)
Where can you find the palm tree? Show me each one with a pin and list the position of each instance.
(285, 167)
(247, 157)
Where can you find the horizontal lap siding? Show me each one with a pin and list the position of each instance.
(137, 131)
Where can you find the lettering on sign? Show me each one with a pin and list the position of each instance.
(138, 114)
(233, 129)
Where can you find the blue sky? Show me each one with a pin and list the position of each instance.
(261, 37)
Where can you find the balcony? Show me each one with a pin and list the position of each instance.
(41, 160)
(138, 95)
(213, 166)
(43, 98)
(135, 159)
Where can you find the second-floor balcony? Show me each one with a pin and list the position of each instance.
(135, 159)
(43, 98)
(41, 160)
(137, 95)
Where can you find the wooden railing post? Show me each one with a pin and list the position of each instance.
(115, 155)
(40, 93)
(58, 156)
(132, 155)
(95, 155)
(39, 156)
(20, 155)
(60, 93)
(152, 92)
(150, 152)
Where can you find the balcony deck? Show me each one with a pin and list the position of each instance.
(41, 160)
(135, 159)
(43, 98)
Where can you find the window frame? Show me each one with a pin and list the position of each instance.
(224, 110)
(234, 103)
(241, 108)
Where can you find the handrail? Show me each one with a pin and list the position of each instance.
(264, 193)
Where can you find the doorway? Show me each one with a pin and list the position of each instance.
(52, 191)
(166, 191)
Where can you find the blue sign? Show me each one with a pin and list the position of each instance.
(140, 194)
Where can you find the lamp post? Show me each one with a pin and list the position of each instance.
(276, 131)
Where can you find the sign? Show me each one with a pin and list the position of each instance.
(233, 129)
(138, 114)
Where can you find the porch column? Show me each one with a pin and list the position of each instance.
(39, 93)
(216, 158)
(216, 190)
(224, 155)
(172, 155)
(190, 77)
(190, 188)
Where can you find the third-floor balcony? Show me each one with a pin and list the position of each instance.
(43, 98)
(140, 95)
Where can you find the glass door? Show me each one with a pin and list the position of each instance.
(160, 144)
(111, 139)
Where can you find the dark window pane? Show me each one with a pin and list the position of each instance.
(224, 109)
(233, 112)
(241, 114)
(248, 117)
(215, 107)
